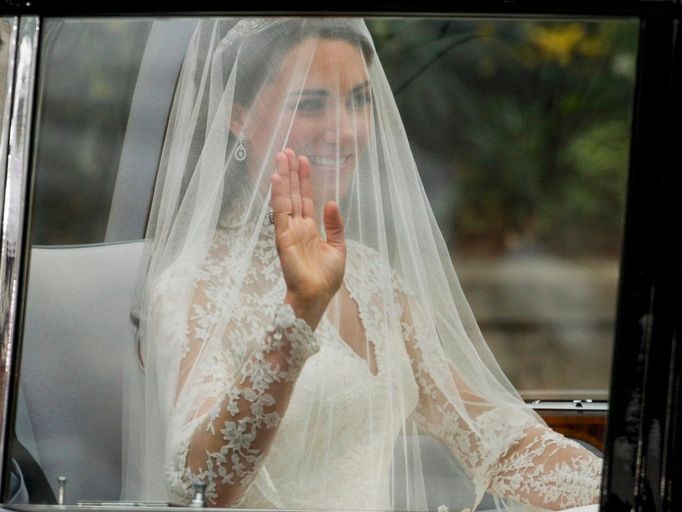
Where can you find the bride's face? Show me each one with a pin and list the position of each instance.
(320, 104)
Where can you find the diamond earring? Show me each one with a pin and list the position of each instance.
(240, 152)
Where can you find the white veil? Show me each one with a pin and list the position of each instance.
(397, 356)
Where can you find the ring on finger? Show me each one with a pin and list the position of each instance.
(271, 215)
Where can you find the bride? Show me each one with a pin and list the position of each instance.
(302, 326)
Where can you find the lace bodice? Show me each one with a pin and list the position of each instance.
(331, 445)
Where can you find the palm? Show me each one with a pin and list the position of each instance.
(312, 266)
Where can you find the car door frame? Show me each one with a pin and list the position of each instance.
(644, 431)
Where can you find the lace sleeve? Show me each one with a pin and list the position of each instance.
(226, 449)
(545, 469)
(505, 450)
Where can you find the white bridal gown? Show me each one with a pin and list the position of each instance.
(335, 444)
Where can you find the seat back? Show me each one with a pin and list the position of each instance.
(77, 338)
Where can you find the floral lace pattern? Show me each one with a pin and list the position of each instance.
(548, 470)
(505, 451)
(250, 407)
(357, 414)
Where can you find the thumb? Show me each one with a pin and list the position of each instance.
(333, 225)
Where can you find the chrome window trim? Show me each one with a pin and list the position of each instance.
(569, 405)
(15, 200)
(7, 103)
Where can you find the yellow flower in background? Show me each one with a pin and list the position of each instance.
(596, 45)
(557, 43)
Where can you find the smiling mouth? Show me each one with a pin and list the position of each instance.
(321, 161)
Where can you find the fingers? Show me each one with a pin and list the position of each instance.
(281, 192)
(292, 188)
(304, 175)
(295, 184)
(333, 224)
(281, 196)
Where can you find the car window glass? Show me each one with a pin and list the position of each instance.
(520, 130)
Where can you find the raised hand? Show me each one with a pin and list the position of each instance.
(312, 267)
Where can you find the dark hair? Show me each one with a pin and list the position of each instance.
(278, 39)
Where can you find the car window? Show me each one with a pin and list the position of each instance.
(520, 129)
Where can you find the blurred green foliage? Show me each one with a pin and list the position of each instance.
(530, 121)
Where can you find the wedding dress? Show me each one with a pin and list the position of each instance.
(346, 464)
(397, 353)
